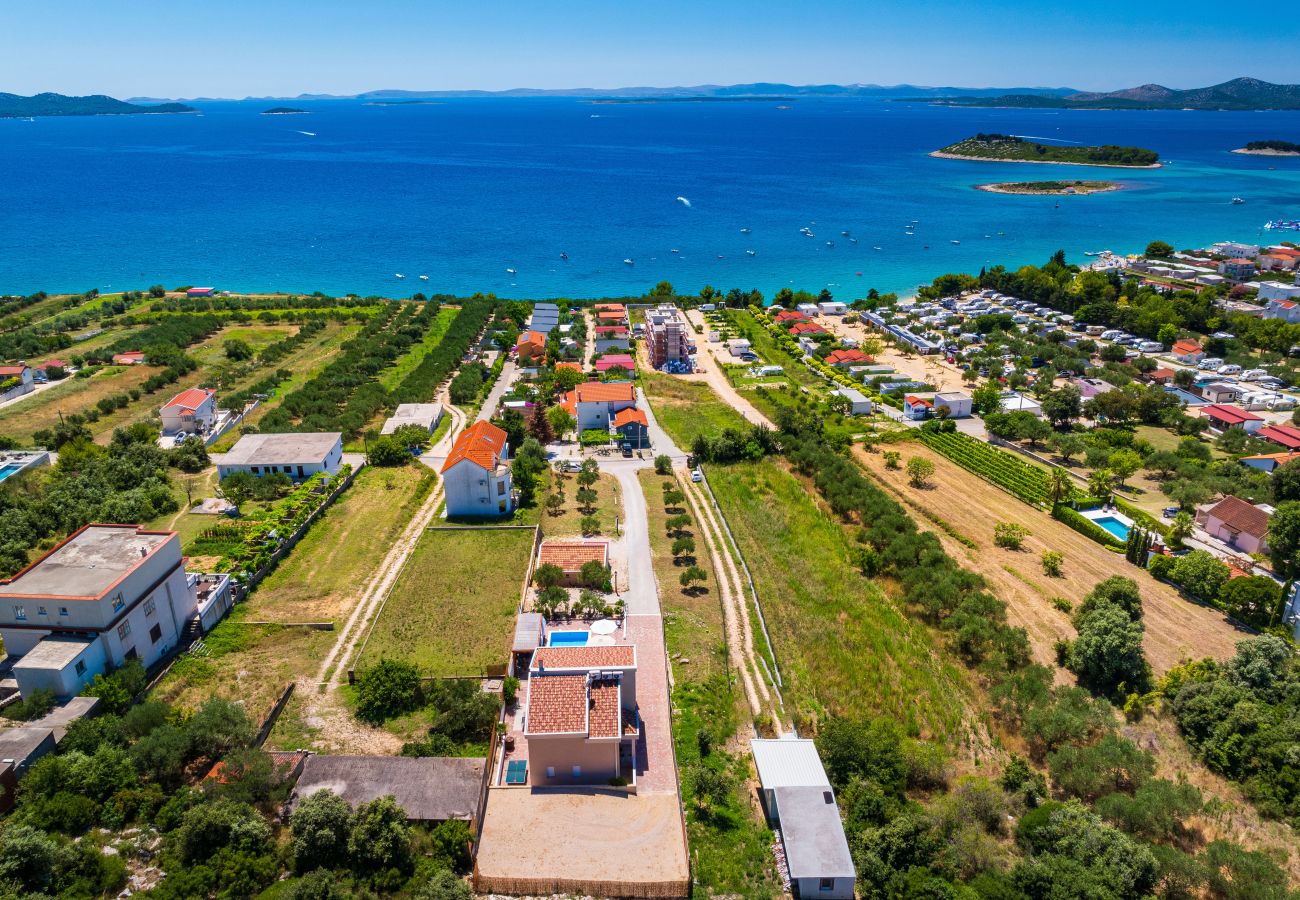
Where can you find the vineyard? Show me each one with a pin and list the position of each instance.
(1013, 475)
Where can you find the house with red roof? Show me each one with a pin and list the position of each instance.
(615, 360)
(799, 328)
(1285, 436)
(633, 427)
(1241, 525)
(129, 358)
(594, 404)
(530, 348)
(1269, 462)
(844, 358)
(571, 556)
(790, 315)
(193, 410)
(611, 337)
(1223, 416)
(583, 723)
(915, 407)
(1188, 352)
(15, 380)
(475, 477)
(1160, 376)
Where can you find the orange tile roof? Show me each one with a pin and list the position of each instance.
(1187, 347)
(835, 357)
(617, 656)
(611, 316)
(557, 704)
(604, 715)
(13, 370)
(1241, 516)
(481, 444)
(790, 315)
(608, 307)
(568, 364)
(602, 392)
(191, 399)
(530, 344)
(631, 414)
(917, 401)
(807, 328)
(570, 555)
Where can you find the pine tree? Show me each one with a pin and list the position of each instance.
(539, 426)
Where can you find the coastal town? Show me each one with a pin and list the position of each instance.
(965, 593)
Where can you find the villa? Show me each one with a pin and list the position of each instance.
(105, 595)
(530, 349)
(1222, 417)
(19, 380)
(594, 404)
(1241, 525)
(421, 415)
(476, 479)
(633, 427)
(1188, 352)
(194, 410)
(298, 455)
(129, 358)
(915, 407)
(571, 556)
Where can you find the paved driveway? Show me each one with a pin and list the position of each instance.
(509, 372)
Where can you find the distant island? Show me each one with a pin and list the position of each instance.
(284, 111)
(401, 103)
(1060, 188)
(1271, 148)
(12, 106)
(1238, 94)
(703, 98)
(1009, 148)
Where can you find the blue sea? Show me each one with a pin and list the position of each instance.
(342, 199)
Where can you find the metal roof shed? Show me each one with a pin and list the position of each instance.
(786, 762)
(816, 850)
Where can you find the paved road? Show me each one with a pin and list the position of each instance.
(642, 594)
(509, 372)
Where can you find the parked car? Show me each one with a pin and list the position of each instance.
(697, 476)
(572, 465)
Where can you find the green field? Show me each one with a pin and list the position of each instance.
(844, 646)
(393, 376)
(452, 610)
(686, 409)
(762, 343)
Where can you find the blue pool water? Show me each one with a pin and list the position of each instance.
(347, 196)
(1188, 396)
(1114, 526)
(568, 639)
(9, 469)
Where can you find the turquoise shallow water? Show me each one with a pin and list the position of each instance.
(463, 190)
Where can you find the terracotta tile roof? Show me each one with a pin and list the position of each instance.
(481, 444)
(129, 356)
(611, 316)
(1156, 374)
(1241, 516)
(191, 399)
(789, 315)
(557, 704)
(1281, 458)
(836, 357)
(631, 414)
(62, 364)
(1187, 347)
(917, 401)
(531, 343)
(618, 656)
(611, 329)
(569, 364)
(608, 307)
(9, 371)
(1287, 436)
(1231, 415)
(602, 392)
(570, 555)
(603, 718)
(807, 328)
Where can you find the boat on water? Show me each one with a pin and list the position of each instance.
(1283, 225)
(398, 275)
(511, 272)
(853, 240)
(954, 242)
(746, 230)
(424, 277)
(563, 255)
(877, 248)
(751, 253)
(629, 262)
(830, 243)
(674, 250)
(844, 234)
(1236, 201)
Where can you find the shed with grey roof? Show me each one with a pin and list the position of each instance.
(425, 415)
(428, 788)
(299, 456)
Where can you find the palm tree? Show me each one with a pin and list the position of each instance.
(1180, 529)
(1099, 483)
(1060, 487)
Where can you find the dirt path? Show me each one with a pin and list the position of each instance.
(322, 708)
(717, 379)
(735, 610)
(1176, 629)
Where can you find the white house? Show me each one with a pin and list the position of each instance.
(299, 456)
(859, 404)
(1273, 290)
(1015, 402)
(808, 309)
(193, 410)
(956, 403)
(475, 477)
(915, 407)
(105, 595)
(739, 347)
(18, 377)
(423, 415)
(593, 404)
(832, 308)
(1287, 310)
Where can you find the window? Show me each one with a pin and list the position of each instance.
(42, 611)
(123, 630)
(577, 771)
(155, 633)
(63, 611)
(826, 884)
(550, 771)
(501, 487)
(118, 603)
(20, 612)
(80, 667)
(255, 471)
(149, 607)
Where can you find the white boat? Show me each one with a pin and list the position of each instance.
(853, 240)
(398, 275)
(511, 272)
(629, 262)
(830, 243)
(877, 248)
(751, 252)
(674, 250)
(1237, 200)
(424, 277)
(954, 242)
(746, 230)
(844, 234)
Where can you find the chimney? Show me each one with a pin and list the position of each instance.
(143, 553)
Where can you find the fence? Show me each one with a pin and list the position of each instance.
(273, 716)
(230, 423)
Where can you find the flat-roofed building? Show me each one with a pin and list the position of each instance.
(423, 415)
(298, 455)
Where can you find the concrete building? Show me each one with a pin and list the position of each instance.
(530, 348)
(957, 404)
(1222, 392)
(582, 722)
(1188, 352)
(632, 427)
(193, 410)
(917, 408)
(594, 404)
(832, 308)
(15, 380)
(668, 338)
(739, 347)
(105, 595)
(476, 479)
(800, 802)
(423, 415)
(1285, 308)
(299, 456)
(859, 403)
(1016, 402)
(1241, 525)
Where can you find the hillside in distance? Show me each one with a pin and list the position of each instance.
(1237, 94)
(13, 106)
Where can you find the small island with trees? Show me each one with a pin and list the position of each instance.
(1050, 187)
(1271, 148)
(1009, 148)
(13, 106)
(284, 111)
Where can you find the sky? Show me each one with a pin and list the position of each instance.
(237, 48)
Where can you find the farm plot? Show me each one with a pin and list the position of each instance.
(452, 610)
(1019, 478)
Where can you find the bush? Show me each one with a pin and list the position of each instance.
(1009, 535)
(663, 464)
(1052, 560)
(33, 706)
(389, 688)
(1086, 527)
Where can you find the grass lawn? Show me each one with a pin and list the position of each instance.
(686, 409)
(322, 579)
(762, 343)
(72, 395)
(564, 522)
(843, 645)
(452, 610)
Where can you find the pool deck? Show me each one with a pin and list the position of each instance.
(1097, 515)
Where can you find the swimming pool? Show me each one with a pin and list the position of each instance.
(9, 469)
(1114, 526)
(1190, 398)
(568, 639)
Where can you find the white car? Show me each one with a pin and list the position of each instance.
(697, 476)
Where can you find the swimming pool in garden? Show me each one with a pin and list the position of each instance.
(568, 639)
(1114, 526)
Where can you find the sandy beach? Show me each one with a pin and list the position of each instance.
(939, 154)
(1246, 152)
(1079, 190)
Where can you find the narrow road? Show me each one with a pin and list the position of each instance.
(509, 372)
(717, 379)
